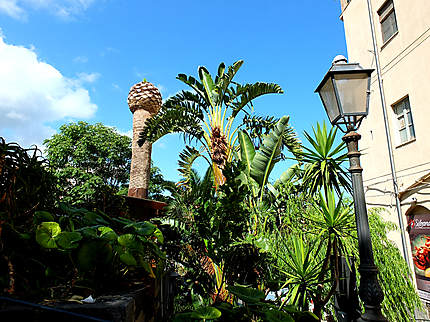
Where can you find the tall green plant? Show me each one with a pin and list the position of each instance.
(322, 162)
(259, 163)
(207, 114)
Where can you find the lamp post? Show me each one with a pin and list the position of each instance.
(344, 92)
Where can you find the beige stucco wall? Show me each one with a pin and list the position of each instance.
(405, 63)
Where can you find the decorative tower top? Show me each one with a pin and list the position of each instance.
(144, 95)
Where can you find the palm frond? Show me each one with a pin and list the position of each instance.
(186, 160)
(181, 114)
(260, 126)
(244, 94)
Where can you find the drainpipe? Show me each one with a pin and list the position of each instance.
(388, 135)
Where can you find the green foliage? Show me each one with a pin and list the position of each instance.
(258, 127)
(303, 272)
(400, 299)
(49, 247)
(26, 183)
(211, 108)
(269, 153)
(259, 163)
(158, 185)
(323, 162)
(247, 294)
(101, 252)
(26, 186)
(91, 162)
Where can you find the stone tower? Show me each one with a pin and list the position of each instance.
(144, 101)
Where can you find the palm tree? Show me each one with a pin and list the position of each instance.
(207, 114)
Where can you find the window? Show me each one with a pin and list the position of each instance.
(405, 123)
(387, 17)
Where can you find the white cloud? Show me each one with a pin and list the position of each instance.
(88, 77)
(128, 133)
(62, 8)
(34, 93)
(11, 8)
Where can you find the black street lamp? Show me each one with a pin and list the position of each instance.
(345, 92)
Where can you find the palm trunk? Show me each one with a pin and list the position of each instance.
(141, 158)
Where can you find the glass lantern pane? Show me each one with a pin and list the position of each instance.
(352, 91)
(329, 99)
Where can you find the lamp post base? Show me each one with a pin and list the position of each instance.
(372, 313)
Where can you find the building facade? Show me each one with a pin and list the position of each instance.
(402, 33)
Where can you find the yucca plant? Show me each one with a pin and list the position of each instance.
(302, 268)
(323, 162)
(334, 225)
(207, 114)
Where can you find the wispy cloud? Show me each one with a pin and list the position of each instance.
(65, 9)
(11, 8)
(88, 77)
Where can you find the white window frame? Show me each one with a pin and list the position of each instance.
(408, 125)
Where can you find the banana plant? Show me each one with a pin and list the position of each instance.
(259, 164)
(207, 113)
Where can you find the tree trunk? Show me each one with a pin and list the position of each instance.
(141, 158)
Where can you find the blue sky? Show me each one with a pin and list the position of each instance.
(63, 60)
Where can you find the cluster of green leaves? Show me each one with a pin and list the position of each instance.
(50, 249)
(184, 113)
(25, 184)
(253, 307)
(323, 162)
(20, 170)
(91, 162)
(94, 241)
(258, 127)
(400, 297)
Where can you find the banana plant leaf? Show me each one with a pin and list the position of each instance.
(268, 154)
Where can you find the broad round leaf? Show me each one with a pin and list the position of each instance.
(278, 316)
(207, 313)
(107, 233)
(68, 239)
(46, 233)
(128, 259)
(143, 228)
(247, 294)
(128, 240)
(42, 216)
